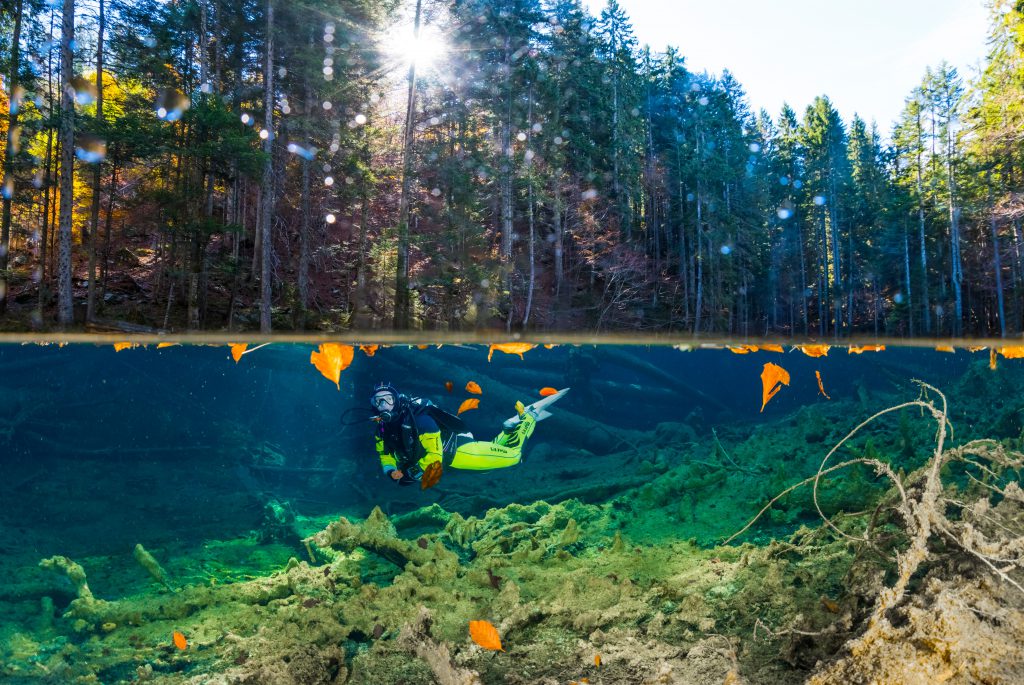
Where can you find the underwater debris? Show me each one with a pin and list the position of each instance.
(449, 386)
(821, 388)
(148, 562)
(331, 359)
(814, 350)
(773, 377)
(431, 476)
(471, 403)
(74, 572)
(237, 350)
(861, 349)
(510, 348)
(179, 640)
(415, 637)
(485, 635)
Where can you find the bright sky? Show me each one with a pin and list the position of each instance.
(866, 56)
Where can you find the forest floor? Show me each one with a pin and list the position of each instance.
(584, 580)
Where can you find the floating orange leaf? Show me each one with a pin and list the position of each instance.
(821, 388)
(814, 350)
(510, 348)
(944, 348)
(976, 348)
(161, 346)
(861, 349)
(179, 640)
(548, 392)
(474, 388)
(331, 359)
(449, 386)
(472, 403)
(772, 348)
(742, 349)
(121, 346)
(237, 350)
(485, 635)
(422, 347)
(369, 350)
(773, 377)
(1012, 352)
(550, 347)
(431, 475)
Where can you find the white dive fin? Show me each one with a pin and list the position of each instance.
(538, 408)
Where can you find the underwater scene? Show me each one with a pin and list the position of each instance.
(510, 513)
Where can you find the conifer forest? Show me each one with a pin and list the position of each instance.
(497, 165)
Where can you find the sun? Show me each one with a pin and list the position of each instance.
(424, 52)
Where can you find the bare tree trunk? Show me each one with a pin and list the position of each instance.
(906, 271)
(48, 184)
(920, 219)
(506, 182)
(65, 305)
(996, 260)
(267, 209)
(954, 236)
(699, 305)
(529, 190)
(105, 264)
(403, 304)
(90, 308)
(306, 210)
(7, 189)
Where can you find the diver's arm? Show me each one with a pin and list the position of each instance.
(387, 460)
(432, 446)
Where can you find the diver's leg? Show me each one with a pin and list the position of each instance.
(516, 432)
(485, 456)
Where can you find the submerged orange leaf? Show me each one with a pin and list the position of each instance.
(742, 349)
(821, 388)
(474, 388)
(331, 359)
(510, 348)
(449, 386)
(472, 403)
(992, 359)
(814, 350)
(237, 350)
(179, 640)
(369, 350)
(431, 476)
(485, 635)
(597, 660)
(773, 377)
(548, 392)
(1012, 352)
(861, 349)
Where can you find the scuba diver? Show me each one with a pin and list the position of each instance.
(409, 440)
